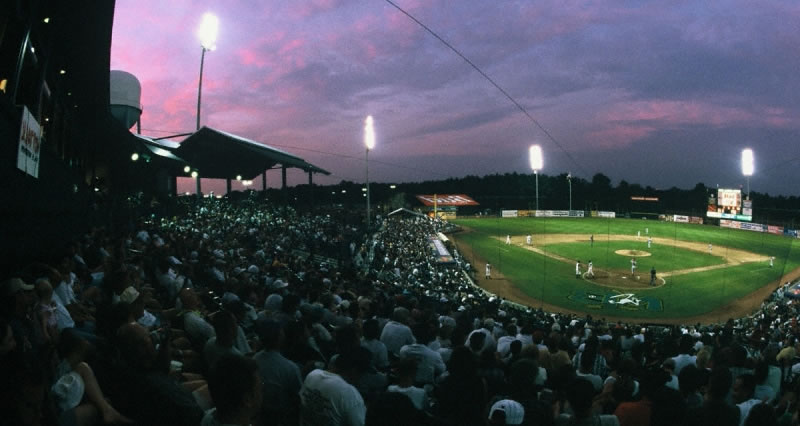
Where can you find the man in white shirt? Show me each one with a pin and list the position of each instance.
(194, 323)
(396, 333)
(429, 362)
(684, 358)
(743, 388)
(328, 397)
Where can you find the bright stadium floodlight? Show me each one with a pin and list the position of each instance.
(537, 162)
(207, 33)
(748, 167)
(369, 141)
(208, 30)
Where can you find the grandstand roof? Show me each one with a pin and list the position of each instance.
(221, 155)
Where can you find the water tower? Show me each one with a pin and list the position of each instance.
(126, 95)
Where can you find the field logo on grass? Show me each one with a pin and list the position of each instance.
(615, 300)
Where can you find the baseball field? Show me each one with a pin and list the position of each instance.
(702, 273)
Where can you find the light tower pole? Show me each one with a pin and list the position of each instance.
(569, 180)
(207, 32)
(369, 142)
(535, 155)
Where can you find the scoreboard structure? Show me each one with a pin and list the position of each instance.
(728, 204)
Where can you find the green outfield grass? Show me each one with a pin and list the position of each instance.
(553, 280)
(663, 257)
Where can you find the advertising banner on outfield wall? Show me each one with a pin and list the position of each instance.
(696, 220)
(777, 230)
(510, 213)
(559, 213)
(756, 227)
(791, 233)
(725, 223)
(680, 218)
(607, 214)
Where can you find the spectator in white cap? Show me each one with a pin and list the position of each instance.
(506, 412)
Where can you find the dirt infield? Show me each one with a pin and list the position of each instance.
(741, 307)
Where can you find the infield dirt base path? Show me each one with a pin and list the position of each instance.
(741, 307)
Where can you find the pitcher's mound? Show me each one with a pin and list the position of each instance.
(633, 253)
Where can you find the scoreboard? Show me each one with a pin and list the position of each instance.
(728, 204)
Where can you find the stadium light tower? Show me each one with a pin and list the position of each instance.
(569, 180)
(207, 32)
(369, 141)
(748, 167)
(535, 153)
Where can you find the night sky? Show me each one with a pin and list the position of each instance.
(653, 92)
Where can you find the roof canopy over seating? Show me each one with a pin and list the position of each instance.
(220, 155)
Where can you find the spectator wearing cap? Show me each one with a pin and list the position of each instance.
(481, 340)
(506, 412)
(17, 298)
(280, 377)
(396, 333)
(235, 387)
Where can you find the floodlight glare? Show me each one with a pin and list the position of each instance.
(134, 156)
(187, 169)
(194, 174)
(748, 162)
(238, 177)
(369, 133)
(207, 32)
(537, 162)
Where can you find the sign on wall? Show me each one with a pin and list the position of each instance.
(30, 142)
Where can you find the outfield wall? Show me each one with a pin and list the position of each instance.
(723, 223)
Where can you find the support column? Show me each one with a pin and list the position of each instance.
(228, 186)
(199, 189)
(264, 181)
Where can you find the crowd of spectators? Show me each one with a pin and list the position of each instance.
(249, 313)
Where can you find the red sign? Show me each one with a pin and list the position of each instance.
(447, 200)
